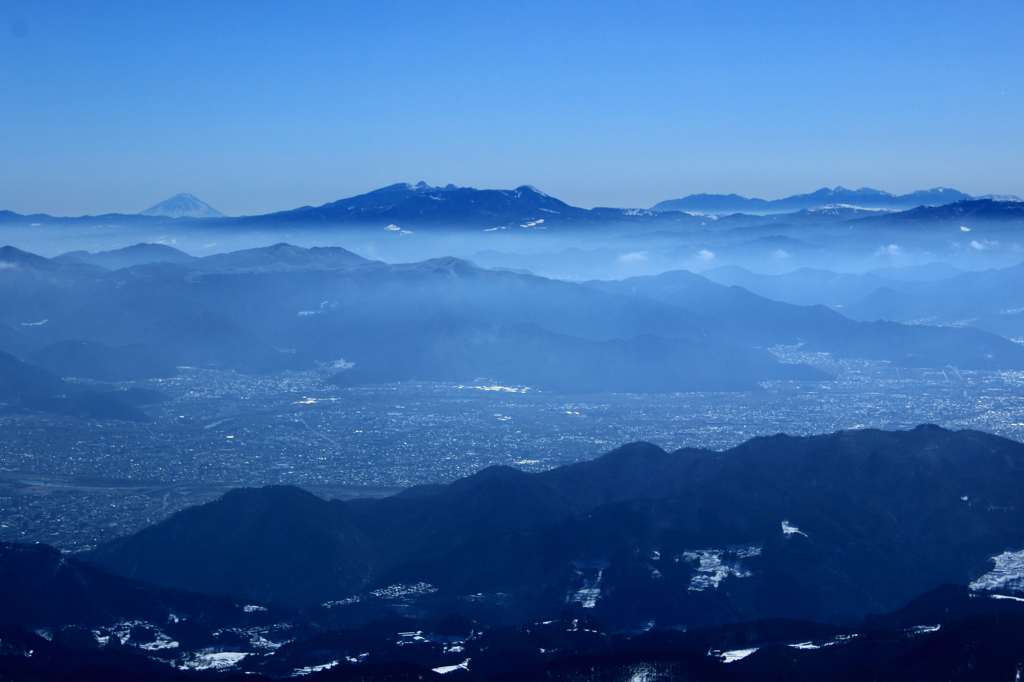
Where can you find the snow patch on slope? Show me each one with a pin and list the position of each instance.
(1007, 575)
(715, 565)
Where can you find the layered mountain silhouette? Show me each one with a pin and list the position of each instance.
(937, 294)
(992, 300)
(821, 528)
(286, 307)
(817, 328)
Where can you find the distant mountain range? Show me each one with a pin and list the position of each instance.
(394, 207)
(286, 307)
(183, 206)
(864, 197)
(405, 207)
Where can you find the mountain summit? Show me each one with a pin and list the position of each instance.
(183, 206)
(404, 204)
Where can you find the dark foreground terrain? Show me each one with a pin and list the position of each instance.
(862, 555)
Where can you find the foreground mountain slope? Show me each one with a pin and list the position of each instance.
(91, 625)
(798, 528)
(46, 589)
(826, 527)
(272, 545)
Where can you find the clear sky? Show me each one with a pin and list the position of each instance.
(262, 106)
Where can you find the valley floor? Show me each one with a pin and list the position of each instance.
(73, 483)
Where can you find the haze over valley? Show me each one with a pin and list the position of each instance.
(144, 382)
(490, 342)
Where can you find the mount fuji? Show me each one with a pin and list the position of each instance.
(183, 206)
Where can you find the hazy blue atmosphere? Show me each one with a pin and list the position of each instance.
(258, 107)
(511, 341)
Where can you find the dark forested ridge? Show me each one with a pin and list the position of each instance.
(820, 528)
(855, 555)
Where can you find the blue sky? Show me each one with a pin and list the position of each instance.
(263, 106)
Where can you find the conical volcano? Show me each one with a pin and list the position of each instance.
(183, 206)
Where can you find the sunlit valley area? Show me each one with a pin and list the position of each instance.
(621, 424)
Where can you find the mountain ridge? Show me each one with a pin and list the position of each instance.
(446, 320)
(403, 205)
(870, 518)
(865, 197)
